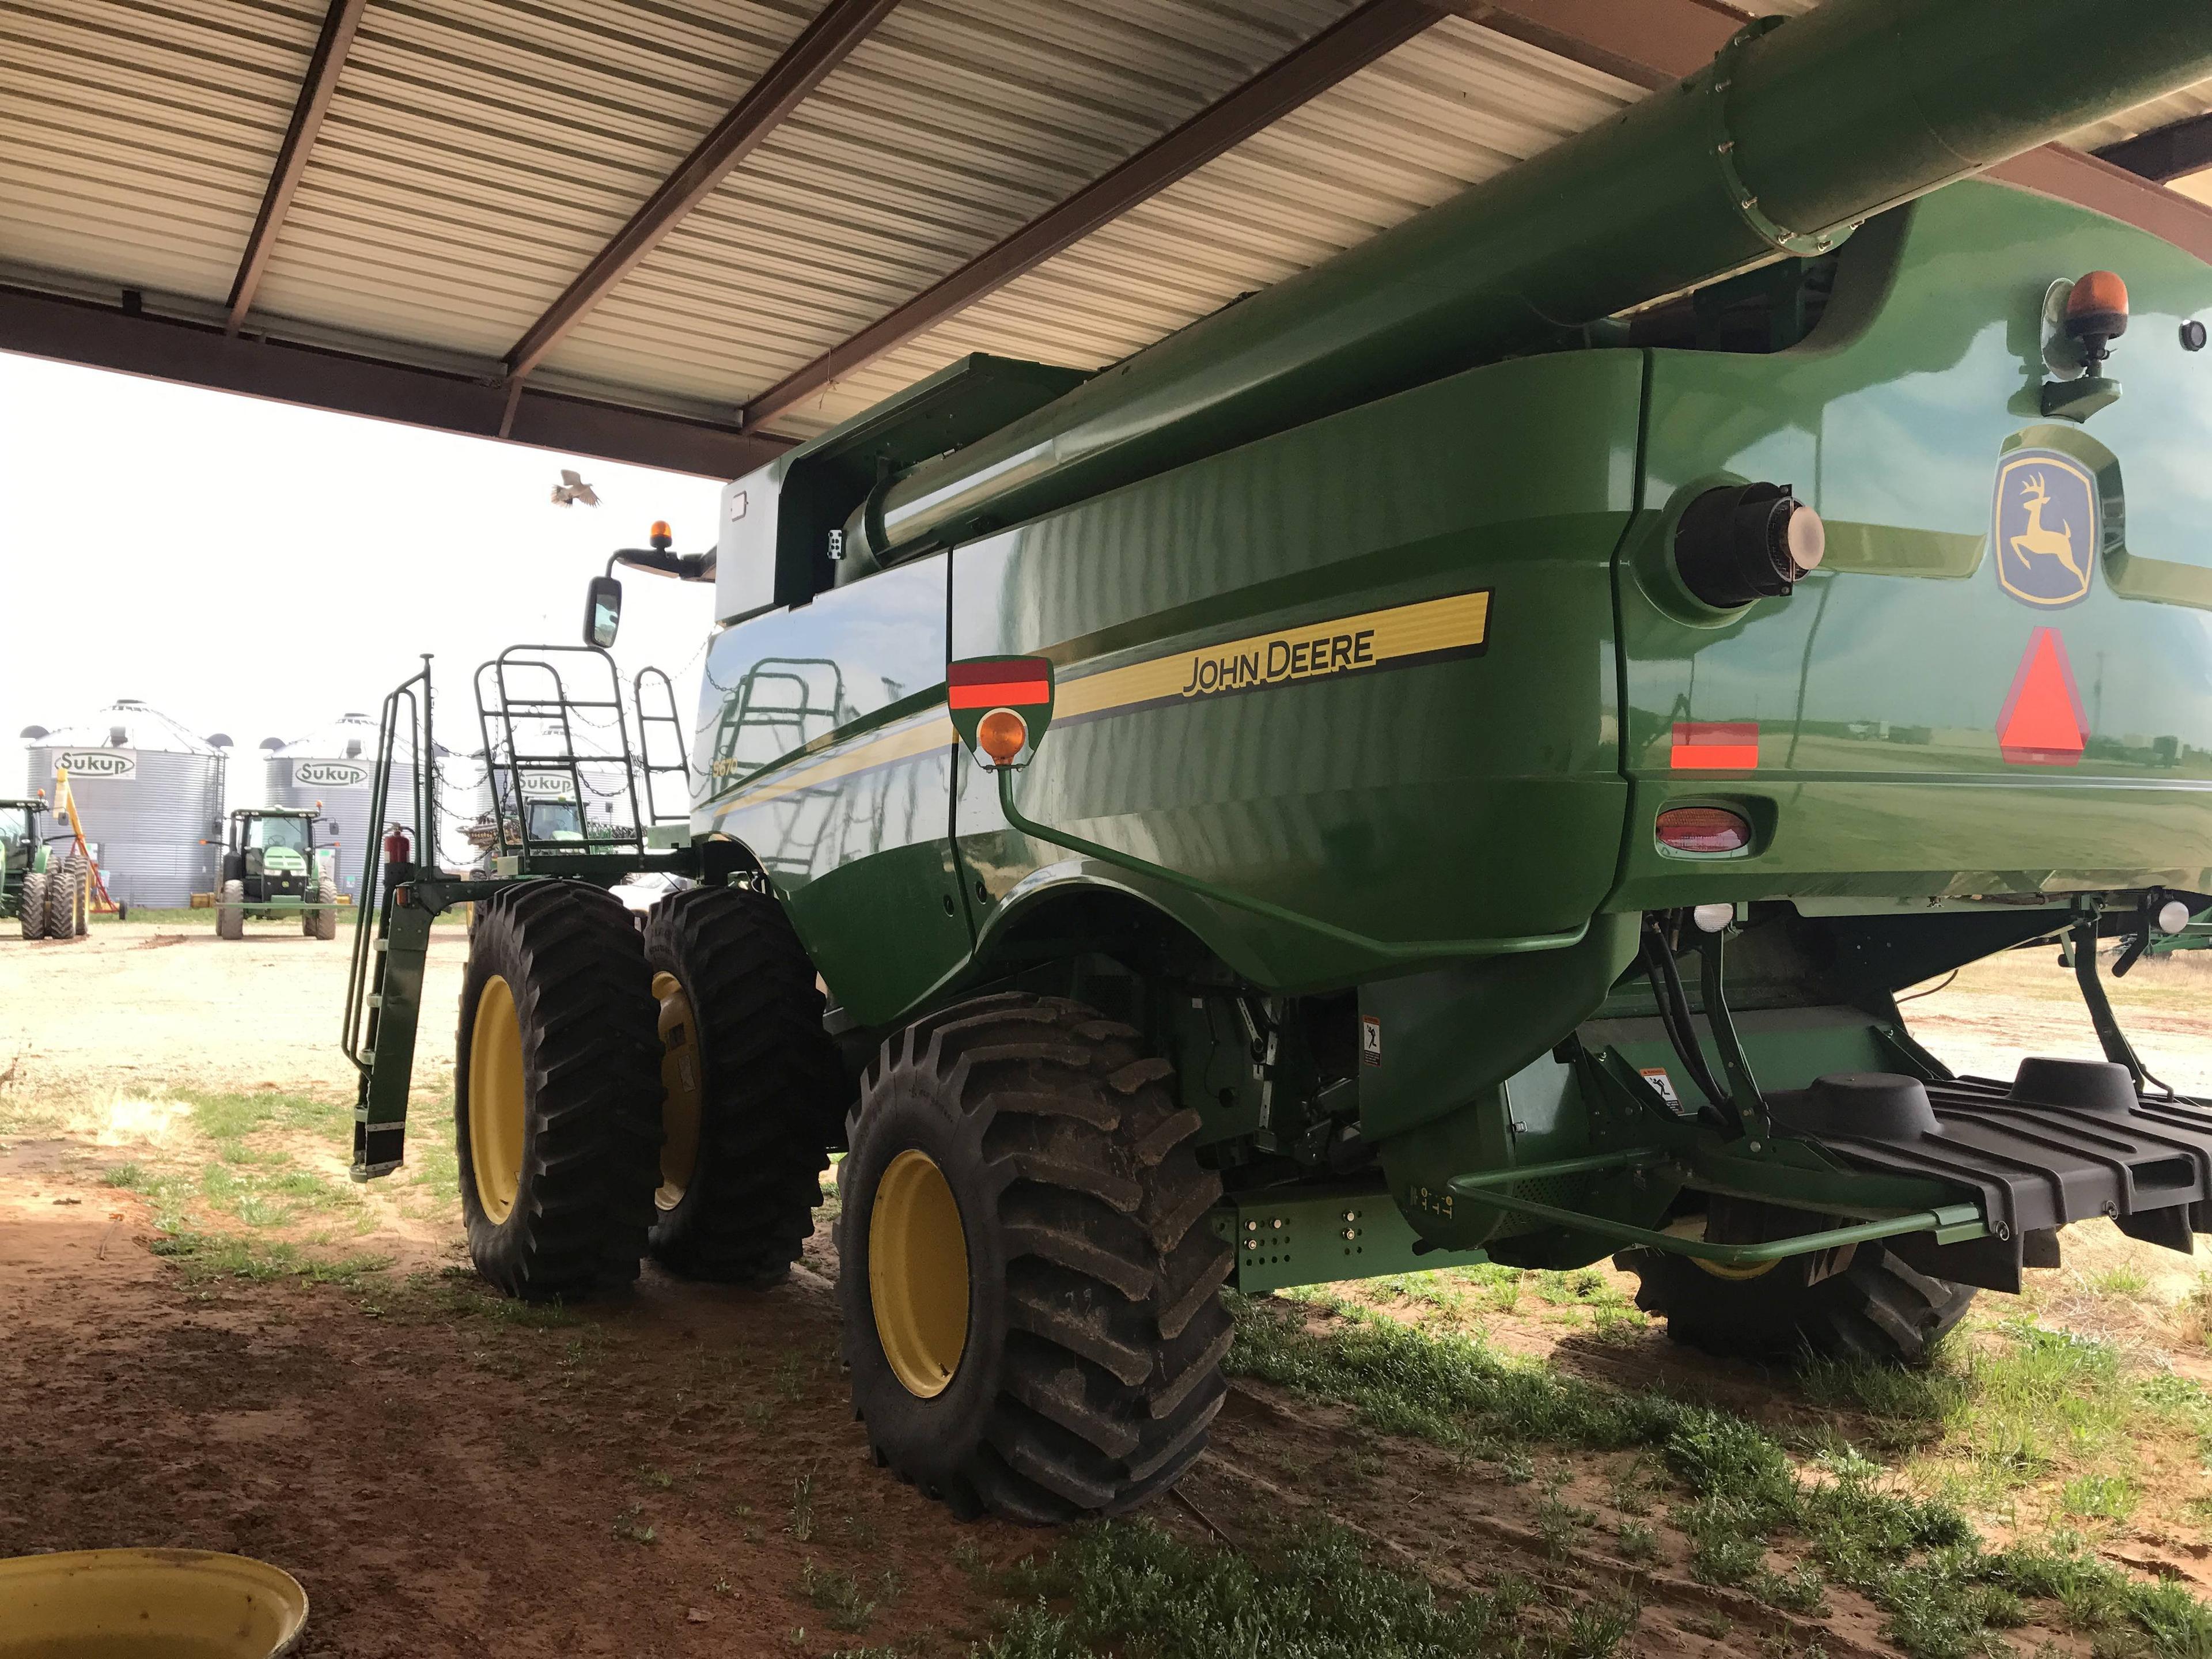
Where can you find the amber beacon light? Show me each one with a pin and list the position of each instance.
(2097, 314)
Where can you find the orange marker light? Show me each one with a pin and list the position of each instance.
(1001, 735)
(661, 536)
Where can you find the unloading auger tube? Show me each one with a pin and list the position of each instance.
(1795, 133)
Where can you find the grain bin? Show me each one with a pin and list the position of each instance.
(150, 795)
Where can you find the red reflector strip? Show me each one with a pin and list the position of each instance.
(1715, 746)
(994, 669)
(1008, 693)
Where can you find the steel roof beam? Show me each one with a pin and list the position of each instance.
(2167, 152)
(1651, 43)
(324, 67)
(1348, 45)
(821, 47)
(204, 355)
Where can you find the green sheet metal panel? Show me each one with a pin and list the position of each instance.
(1333, 669)
(1879, 688)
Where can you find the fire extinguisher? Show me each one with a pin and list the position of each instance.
(395, 844)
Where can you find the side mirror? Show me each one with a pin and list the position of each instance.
(602, 612)
(1000, 707)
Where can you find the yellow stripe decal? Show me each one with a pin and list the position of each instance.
(1397, 638)
(901, 743)
(1430, 630)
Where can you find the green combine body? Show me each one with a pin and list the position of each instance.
(1452, 758)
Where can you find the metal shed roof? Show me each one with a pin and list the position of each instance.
(687, 232)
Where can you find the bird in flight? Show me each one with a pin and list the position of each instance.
(572, 489)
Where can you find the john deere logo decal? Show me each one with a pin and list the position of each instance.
(2047, 528)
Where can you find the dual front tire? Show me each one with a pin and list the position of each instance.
(56, 903)
(1026, 1268)
(617, 1095)
(31, 904)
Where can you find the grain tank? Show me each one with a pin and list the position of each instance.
(150, 794)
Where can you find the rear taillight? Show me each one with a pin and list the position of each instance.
(1703, 830)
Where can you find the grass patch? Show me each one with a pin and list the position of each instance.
(205, 1256)
(1944, 1595)
(839, 1596)
(2099, 1497)
(1126, 1588)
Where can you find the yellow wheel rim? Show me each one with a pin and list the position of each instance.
(495, 1108)
(679, 1086)
(1721, 1270)
(918, 1273)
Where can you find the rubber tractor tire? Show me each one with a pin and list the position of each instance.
(230, 910)
(752, 1086)
(1027, 1272)
(556, 1093)
(31, 904)
(69, 899)
(1872, 1309)
(322, 923)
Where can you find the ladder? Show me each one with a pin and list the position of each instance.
(522, 697)
(390, 941)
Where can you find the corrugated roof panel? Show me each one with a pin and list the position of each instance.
(135, 141)
(954, 124)
(477, 154)
(1448, 109)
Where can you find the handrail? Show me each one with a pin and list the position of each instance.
(370, 901)
(1950, 1217)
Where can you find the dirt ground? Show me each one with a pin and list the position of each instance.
(678, 1472)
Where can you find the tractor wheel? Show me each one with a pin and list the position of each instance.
(1025, 1268)
(230, 911)
(31, 904)
(67, 899)
(1875, 1309)
(556, 1093)
(322, 923)
(751, 1087)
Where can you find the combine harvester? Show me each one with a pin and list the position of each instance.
(1451, 756)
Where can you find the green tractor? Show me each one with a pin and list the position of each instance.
(49, 897)
(1450, 758)
(272, 868)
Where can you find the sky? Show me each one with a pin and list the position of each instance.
(255, 569)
